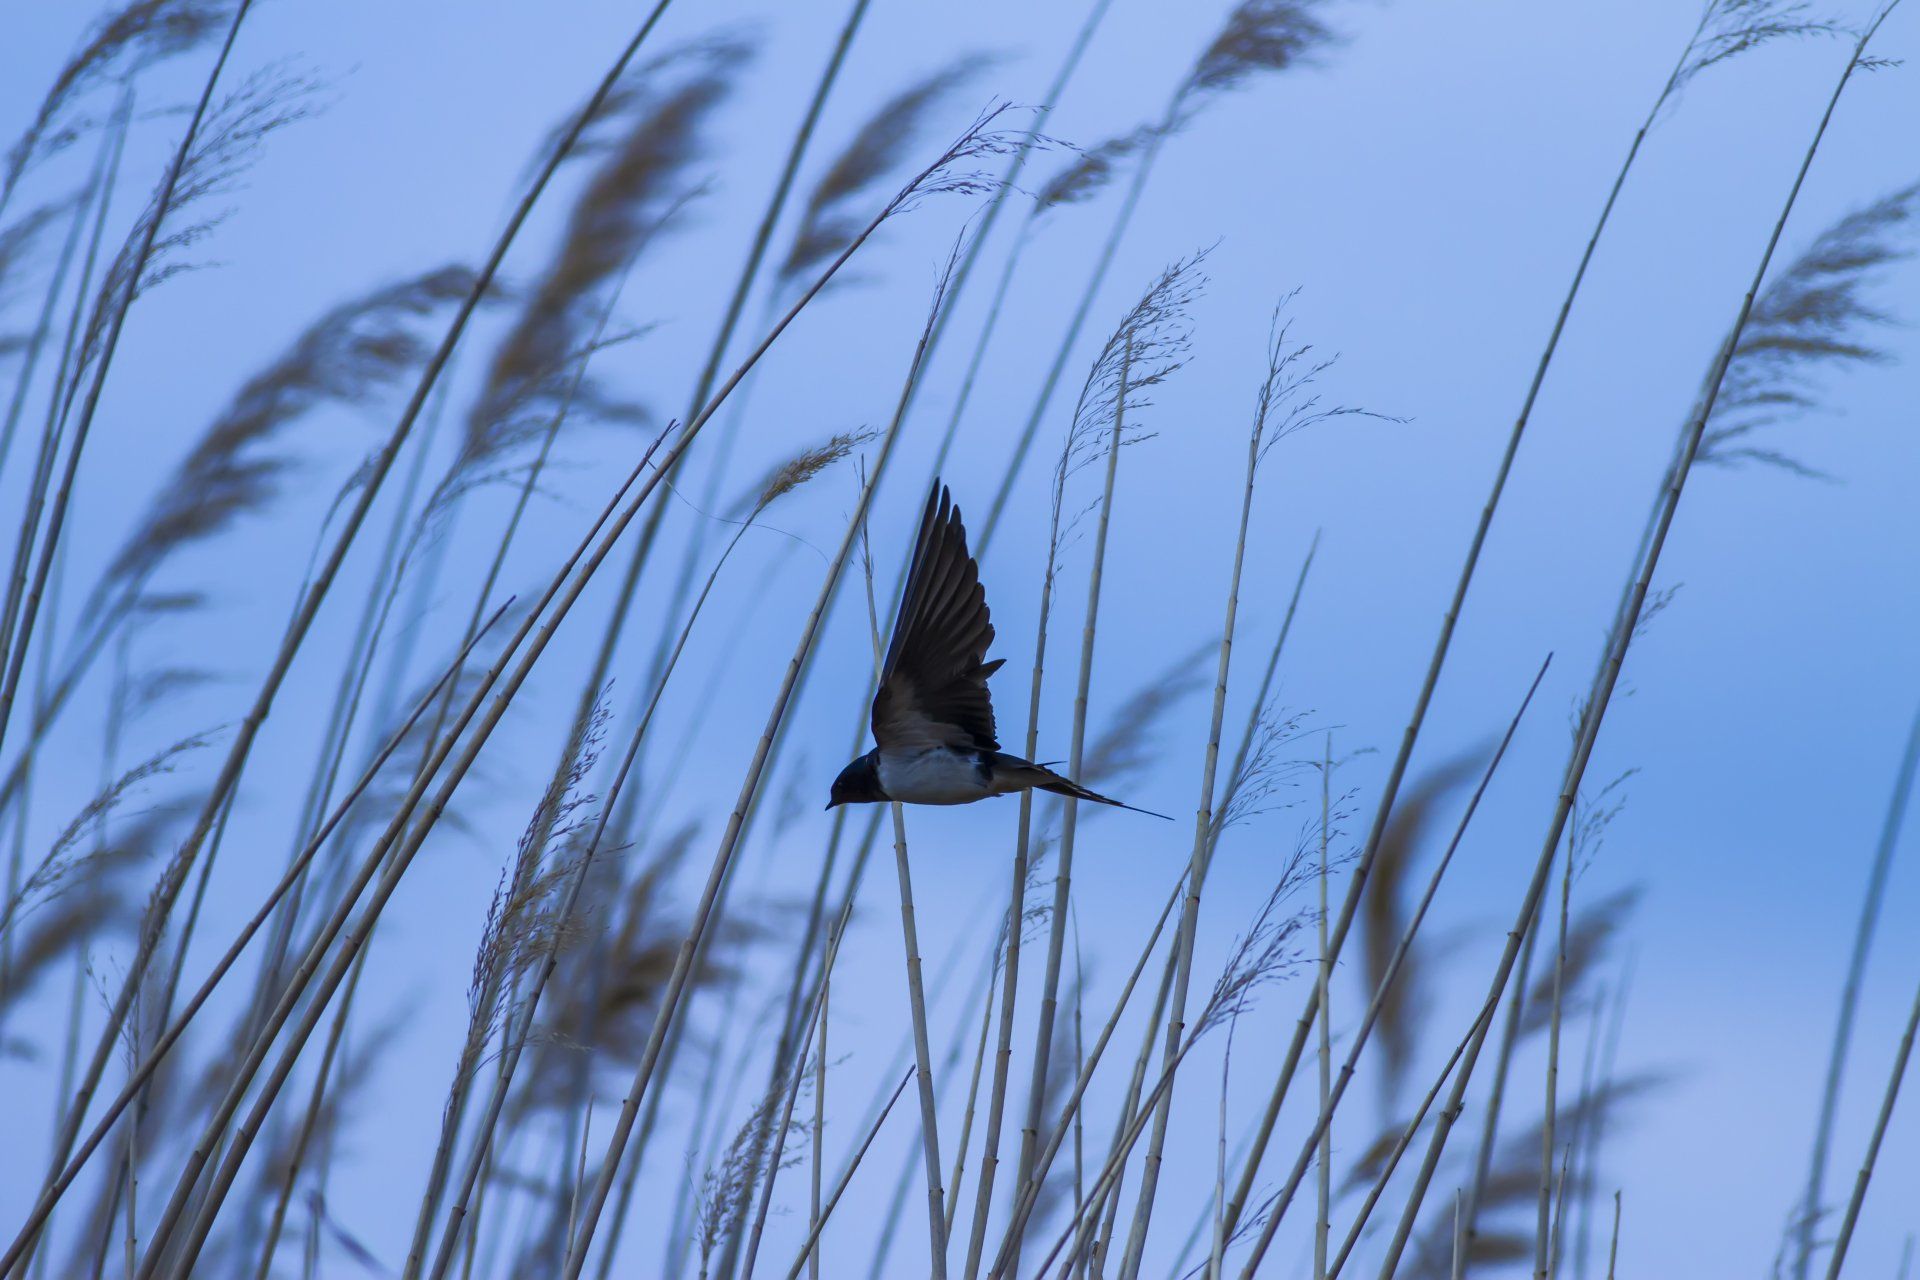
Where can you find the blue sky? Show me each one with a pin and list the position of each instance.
(1427, 191)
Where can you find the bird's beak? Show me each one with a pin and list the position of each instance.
(830, 804)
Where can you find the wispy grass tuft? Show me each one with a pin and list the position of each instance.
(1383, 917)
(832, 213)
(177, 220)
(1258, 36)
(65, 862)
(1812, 318)
(1730, 28)
(1093, 169)
(641, 182)
(123, 43)
(350, 356)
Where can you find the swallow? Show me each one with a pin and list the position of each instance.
(933, 730)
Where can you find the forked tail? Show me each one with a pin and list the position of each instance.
(1041, 778)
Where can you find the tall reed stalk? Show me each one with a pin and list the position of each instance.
(95, 191)
(1844, 1237)
(1016, 918)
(909, 931)
(1310, 1148)
(1284, 405)
(1323, 1172)
(977, 141)
(1068, 1122)
(108, 321)
(1694, 57)
(528, 1000)
(1550, 1106)
(1810, 1204)
(1618, 644)
(1188, 932)
(1070, 808)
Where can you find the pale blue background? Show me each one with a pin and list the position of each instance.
(1429, 192)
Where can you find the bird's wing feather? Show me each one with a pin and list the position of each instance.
(933, 685)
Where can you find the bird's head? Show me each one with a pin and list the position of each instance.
(858, 783)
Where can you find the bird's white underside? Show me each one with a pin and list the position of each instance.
(935, 775)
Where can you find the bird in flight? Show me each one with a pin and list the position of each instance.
(932, 716)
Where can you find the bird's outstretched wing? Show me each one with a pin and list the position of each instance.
(933, 687)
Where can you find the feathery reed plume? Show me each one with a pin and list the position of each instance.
(1268, 769)
(1259, 35)
(1383, 916)
(1093, 168)
(1143, 352)
(227, 143)
(64, 864)
(784, 477)
(1148, 347)
(637, 189)
(602, 1006)
(1514, 1185)
(522, 921)
(528, 921)
(1063, 75)
(1730, 28)
(17, 244)
(1809, 318)
(1590, 938)
(86, 899)
(139, 256)
(89, 206)
(831, 215)
(1264, 953)
(349, 355)
(725, 1186)
(124, 42)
